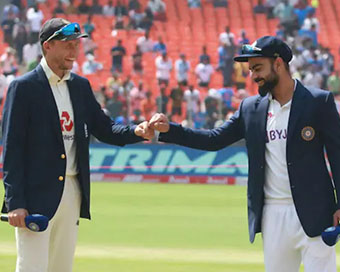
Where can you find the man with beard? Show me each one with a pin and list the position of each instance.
(287, 128)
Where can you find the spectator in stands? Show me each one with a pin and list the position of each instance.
(240, 74)
(113, 84)
(226, 54)
(34, 18)
(227, 36)
(118, 24)
(310, 35)
(163, 68)
(34, 63)
(194, 3)
(120, 9)
(314, 60)
(137, 118)
(237, 99)
(114, 106)
(213, 102)
(313, 77)
(128, 84)
(310, 20)
(148, 106)
(123, 119)
(134, 4)
(89, 46)
(100, 96)
(7, 25)
(59, 8)
(159, 47)
(17, 3)
(118, 52)
(109, 9)
(31, 51)
(220, 3)
(124, 98)
(91, 66)
(327, 64)
(280, 32)
(20, 38)
(203, 72)
(182, 67)
(75, 67)
(8, 62)
(333, 83)
(227, 96)
(213, 108)
(270, 5)
(285, 12)
(83, 7)
(96, 8)
(204, 56)
(302, 10)
(145, 43)
(260, 7)
(192, 98)
(147, 20)
(10, 9)
(296, 64)
(176, 96)
(162, 101)
(157, 8)
(89, 27)
(70, 8)
(243, 38)
(137, 95)
(137, 61)
(135, 18)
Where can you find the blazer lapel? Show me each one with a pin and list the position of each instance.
(73, 90)
(296, 110)
(50, 103)
(262, 112)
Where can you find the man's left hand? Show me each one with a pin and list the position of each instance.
(336, 218)
(143, 130)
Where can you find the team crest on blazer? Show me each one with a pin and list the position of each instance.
(308, 133)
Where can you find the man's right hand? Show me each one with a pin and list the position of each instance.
(159, 122)
(16, 218)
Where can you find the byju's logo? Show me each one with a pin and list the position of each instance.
(65, 122)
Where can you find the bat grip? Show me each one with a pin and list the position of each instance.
(4, 218)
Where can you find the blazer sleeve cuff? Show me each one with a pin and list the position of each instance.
(174, 131)
(15, 204)
(133, 137)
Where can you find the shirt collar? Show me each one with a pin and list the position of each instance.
(51, 76)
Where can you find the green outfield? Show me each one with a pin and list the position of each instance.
(160, 228)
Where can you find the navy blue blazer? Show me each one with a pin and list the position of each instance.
(312, 187)
(33, 144)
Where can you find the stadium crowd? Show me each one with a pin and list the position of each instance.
(184, 91)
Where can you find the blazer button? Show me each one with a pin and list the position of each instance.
(61, 178)
(62, 156)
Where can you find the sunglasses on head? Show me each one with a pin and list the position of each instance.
(249, 49)
(67, 30)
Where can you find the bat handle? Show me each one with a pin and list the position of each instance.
(4, 218)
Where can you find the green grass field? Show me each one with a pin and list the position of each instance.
(160, 228)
